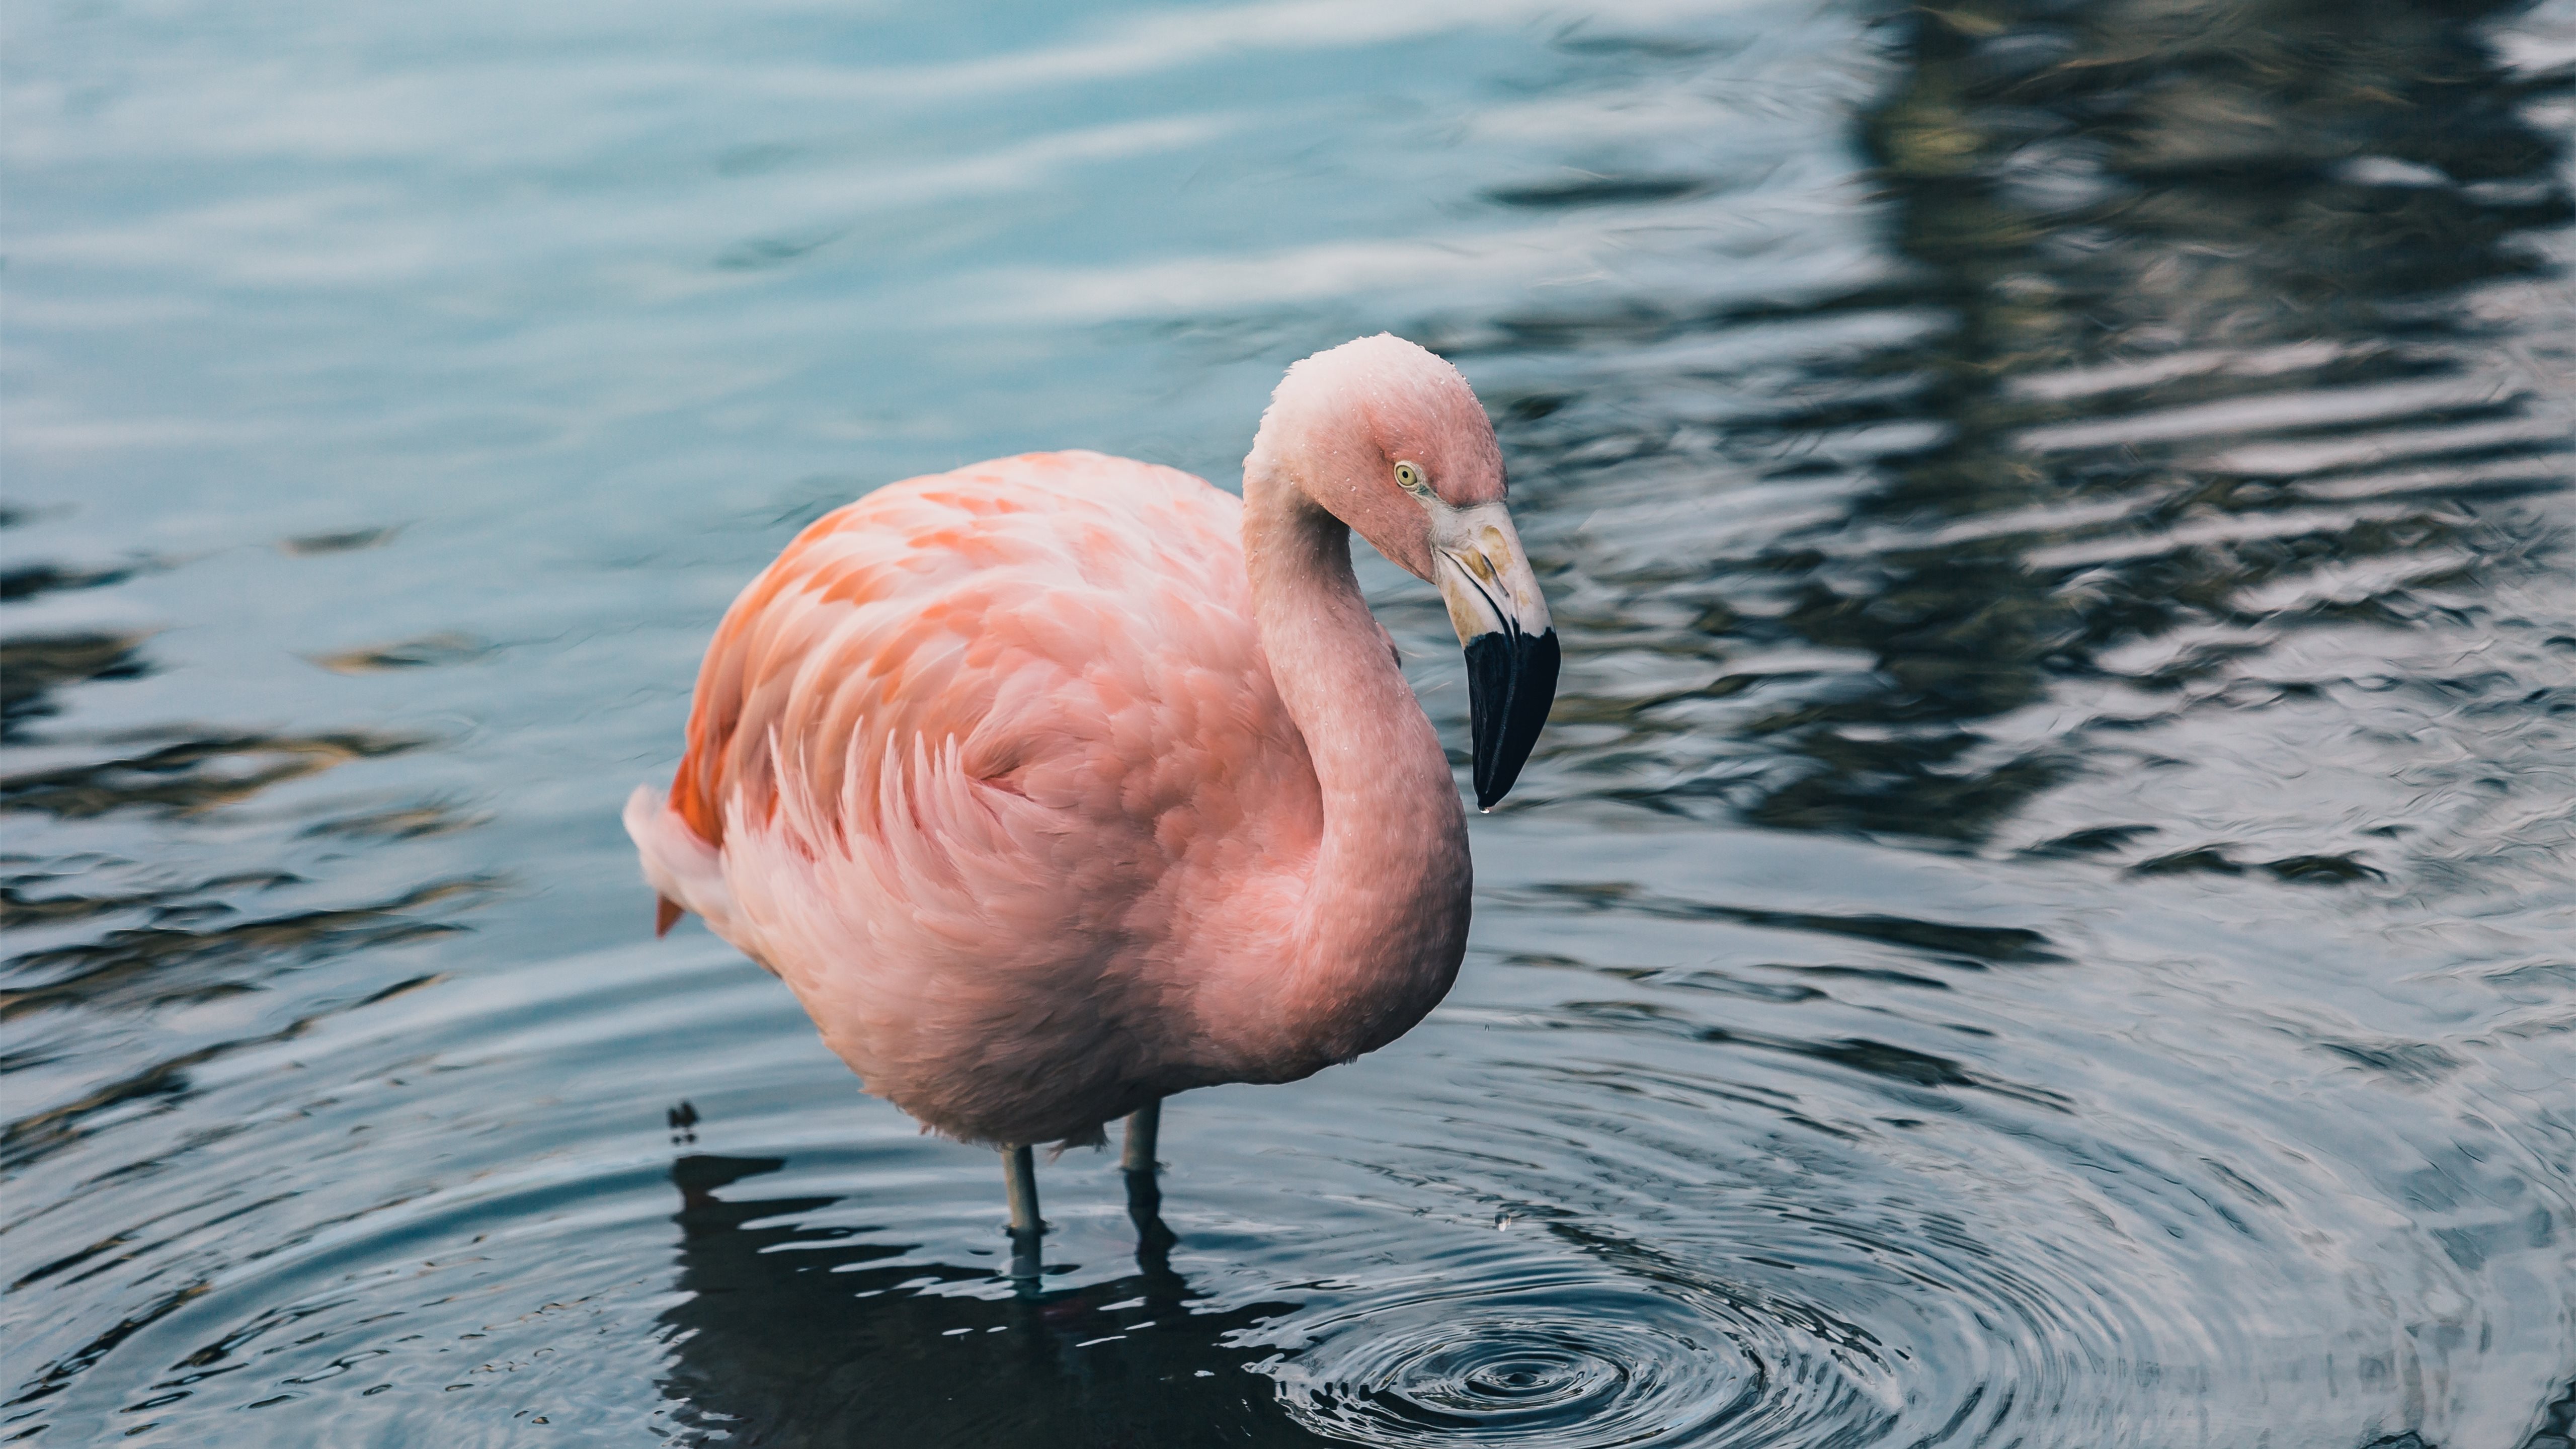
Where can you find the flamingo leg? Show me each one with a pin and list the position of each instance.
(1145, 1196)
(1143, 1125)
(1020, 1175)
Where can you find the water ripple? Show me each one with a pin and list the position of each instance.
(1563, 1360)
(2041, 916)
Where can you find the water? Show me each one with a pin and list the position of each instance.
(2044, 916)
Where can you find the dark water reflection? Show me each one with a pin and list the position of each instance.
(2188, 377)
(770, 1351)
(2043, 915)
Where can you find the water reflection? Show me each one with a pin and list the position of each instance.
(2042, 913)
(792, 1335)
(138, 967)
(34, 666)
(190, 774)
(2183, 376)
(30, 580)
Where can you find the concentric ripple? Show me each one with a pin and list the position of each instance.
(1572, 1360)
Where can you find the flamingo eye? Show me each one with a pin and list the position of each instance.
(1411, 478)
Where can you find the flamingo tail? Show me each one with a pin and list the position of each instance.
(686, 873)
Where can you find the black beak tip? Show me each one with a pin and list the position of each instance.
(1511, 682)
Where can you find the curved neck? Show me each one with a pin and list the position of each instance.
(1383, 921)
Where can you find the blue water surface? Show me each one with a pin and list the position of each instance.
(2043, 916)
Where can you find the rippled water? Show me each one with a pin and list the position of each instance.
(2045, 915)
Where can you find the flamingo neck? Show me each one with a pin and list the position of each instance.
(1383, 920)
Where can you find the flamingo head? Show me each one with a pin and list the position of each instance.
(1389, 438)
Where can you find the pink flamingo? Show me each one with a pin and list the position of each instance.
(1061, 783)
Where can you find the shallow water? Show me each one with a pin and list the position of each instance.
(2044, 915)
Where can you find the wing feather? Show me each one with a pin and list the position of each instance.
(955, 758)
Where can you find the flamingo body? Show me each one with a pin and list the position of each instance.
(1061, 783)
(989, 767)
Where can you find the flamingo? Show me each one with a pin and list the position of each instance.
(1058, 784)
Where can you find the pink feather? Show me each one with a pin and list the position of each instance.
(991, 767)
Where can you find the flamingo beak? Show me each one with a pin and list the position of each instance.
(1501, 618)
